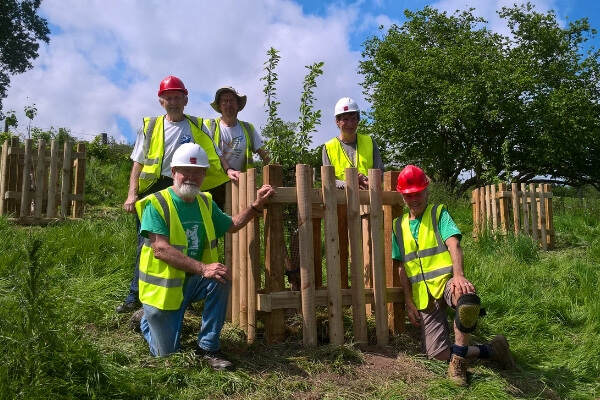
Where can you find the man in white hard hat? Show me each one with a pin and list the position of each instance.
(152, 153)
(237, 140)
(179, 262)
(350, 149)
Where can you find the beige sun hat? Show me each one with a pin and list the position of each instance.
(240, 97)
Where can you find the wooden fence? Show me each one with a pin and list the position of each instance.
(526, 209)
(40, 185)
(373, 284)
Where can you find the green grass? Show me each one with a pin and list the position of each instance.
(61, 339)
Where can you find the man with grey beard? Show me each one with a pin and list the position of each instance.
(179, 261)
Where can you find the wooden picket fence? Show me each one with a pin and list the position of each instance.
(373, 285)
(40, 185)
(525, 209)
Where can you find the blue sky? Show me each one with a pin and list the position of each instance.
(101, 70)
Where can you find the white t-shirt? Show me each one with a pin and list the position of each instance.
(176, 134)
(233, 144)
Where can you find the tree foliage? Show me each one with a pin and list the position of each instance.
(21, 29)
(452, 96)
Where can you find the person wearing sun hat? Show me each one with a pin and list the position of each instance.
(237, 140)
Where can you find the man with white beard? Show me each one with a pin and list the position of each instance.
(179, 261)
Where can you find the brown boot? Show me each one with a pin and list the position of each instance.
(502, 352)
(457, 370)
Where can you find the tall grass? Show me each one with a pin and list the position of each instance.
(61, 339)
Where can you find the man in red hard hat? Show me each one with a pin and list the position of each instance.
(238, 140)
(152, 154)
(426, 243)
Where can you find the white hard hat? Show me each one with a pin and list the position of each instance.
(190, 155)
(346, 105)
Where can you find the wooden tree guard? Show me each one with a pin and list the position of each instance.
(386, 296)
(30, 189)
(531, 209)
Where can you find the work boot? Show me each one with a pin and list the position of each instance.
(502, 352)
(457, 370)
(128, 307)
(134, 321)
(215, 359)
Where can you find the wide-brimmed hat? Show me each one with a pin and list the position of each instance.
(241, 98)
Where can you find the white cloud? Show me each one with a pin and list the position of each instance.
(106, 58)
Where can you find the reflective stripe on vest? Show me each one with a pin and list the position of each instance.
(428, 269)
(340, 160)
(213, 126)
(161, 285)
(154, 139)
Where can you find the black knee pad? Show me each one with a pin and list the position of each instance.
(468, 310)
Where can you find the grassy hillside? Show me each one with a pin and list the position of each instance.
(61, 339)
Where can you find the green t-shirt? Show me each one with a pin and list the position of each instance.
(446, 226)
(191, 220)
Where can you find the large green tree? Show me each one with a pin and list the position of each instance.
(21, 29)
(465, 102)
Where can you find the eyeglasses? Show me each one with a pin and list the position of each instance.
(228, 101)
(191, 171)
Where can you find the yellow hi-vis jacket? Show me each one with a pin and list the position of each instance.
(340, 160)
(154, 137)
(427, 261)
(214, 125)
(161, 285)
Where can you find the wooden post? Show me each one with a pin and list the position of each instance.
(514, 194)
(379, 286)
(243, 242)
(476, 212)
(228, 245)
(549, 217)
(367, 260)
(356, 257)
(309, 320)
(542, 216)
(332, 256)
(534, 218)
(235, 256)
(342, 232)
(4, 176)
(66, 181)
(503, 202)
(39, 179)
(494, 204)
(52, 180)
(318, 256)
(483, 226)
(26, 186)
(525, 208)
(275, 254)
(79, 187)
(392, 276)
(253, 257)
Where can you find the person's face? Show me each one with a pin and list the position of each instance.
(347, 122)
(228, 104)
(187, 181)
(416, 202)
(173, 101)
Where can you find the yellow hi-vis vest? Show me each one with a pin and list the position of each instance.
(213, 126)
(340, 160)
(428, 264)
(161, 285)
(154, 137)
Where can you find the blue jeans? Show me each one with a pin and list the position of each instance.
(162, 328)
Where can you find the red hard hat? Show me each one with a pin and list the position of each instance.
(412, 179)
(171, 83)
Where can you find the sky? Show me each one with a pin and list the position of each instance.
(101, 70)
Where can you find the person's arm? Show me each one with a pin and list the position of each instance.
(175, 258)
(461, 284)
(240, 220)
(264, 156)
(231, 173)
(132, 194)
(411, 309)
